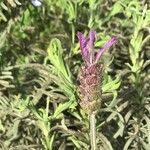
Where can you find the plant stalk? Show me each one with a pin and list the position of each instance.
(73, 32)
(93, 131)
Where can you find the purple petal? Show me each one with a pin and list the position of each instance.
(90, 45)
(106, 46)
(83, 45)
(82, 40)
(92, 36)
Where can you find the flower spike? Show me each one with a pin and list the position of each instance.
(90, 79)
(91, 72)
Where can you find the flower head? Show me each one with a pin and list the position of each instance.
(91, 72)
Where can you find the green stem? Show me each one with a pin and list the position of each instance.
(47, 107)
(93, 131)
(73, 32)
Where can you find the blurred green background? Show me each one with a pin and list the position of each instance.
(39, 65)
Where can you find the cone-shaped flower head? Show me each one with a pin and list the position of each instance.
(90, 76)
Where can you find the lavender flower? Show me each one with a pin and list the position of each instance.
(90, 75)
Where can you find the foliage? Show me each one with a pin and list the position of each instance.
(39, 65)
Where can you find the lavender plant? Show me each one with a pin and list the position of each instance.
(135, 104)
(39, 65)
(90, 79)
(136, 48)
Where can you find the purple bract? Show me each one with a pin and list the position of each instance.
(87, 47)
